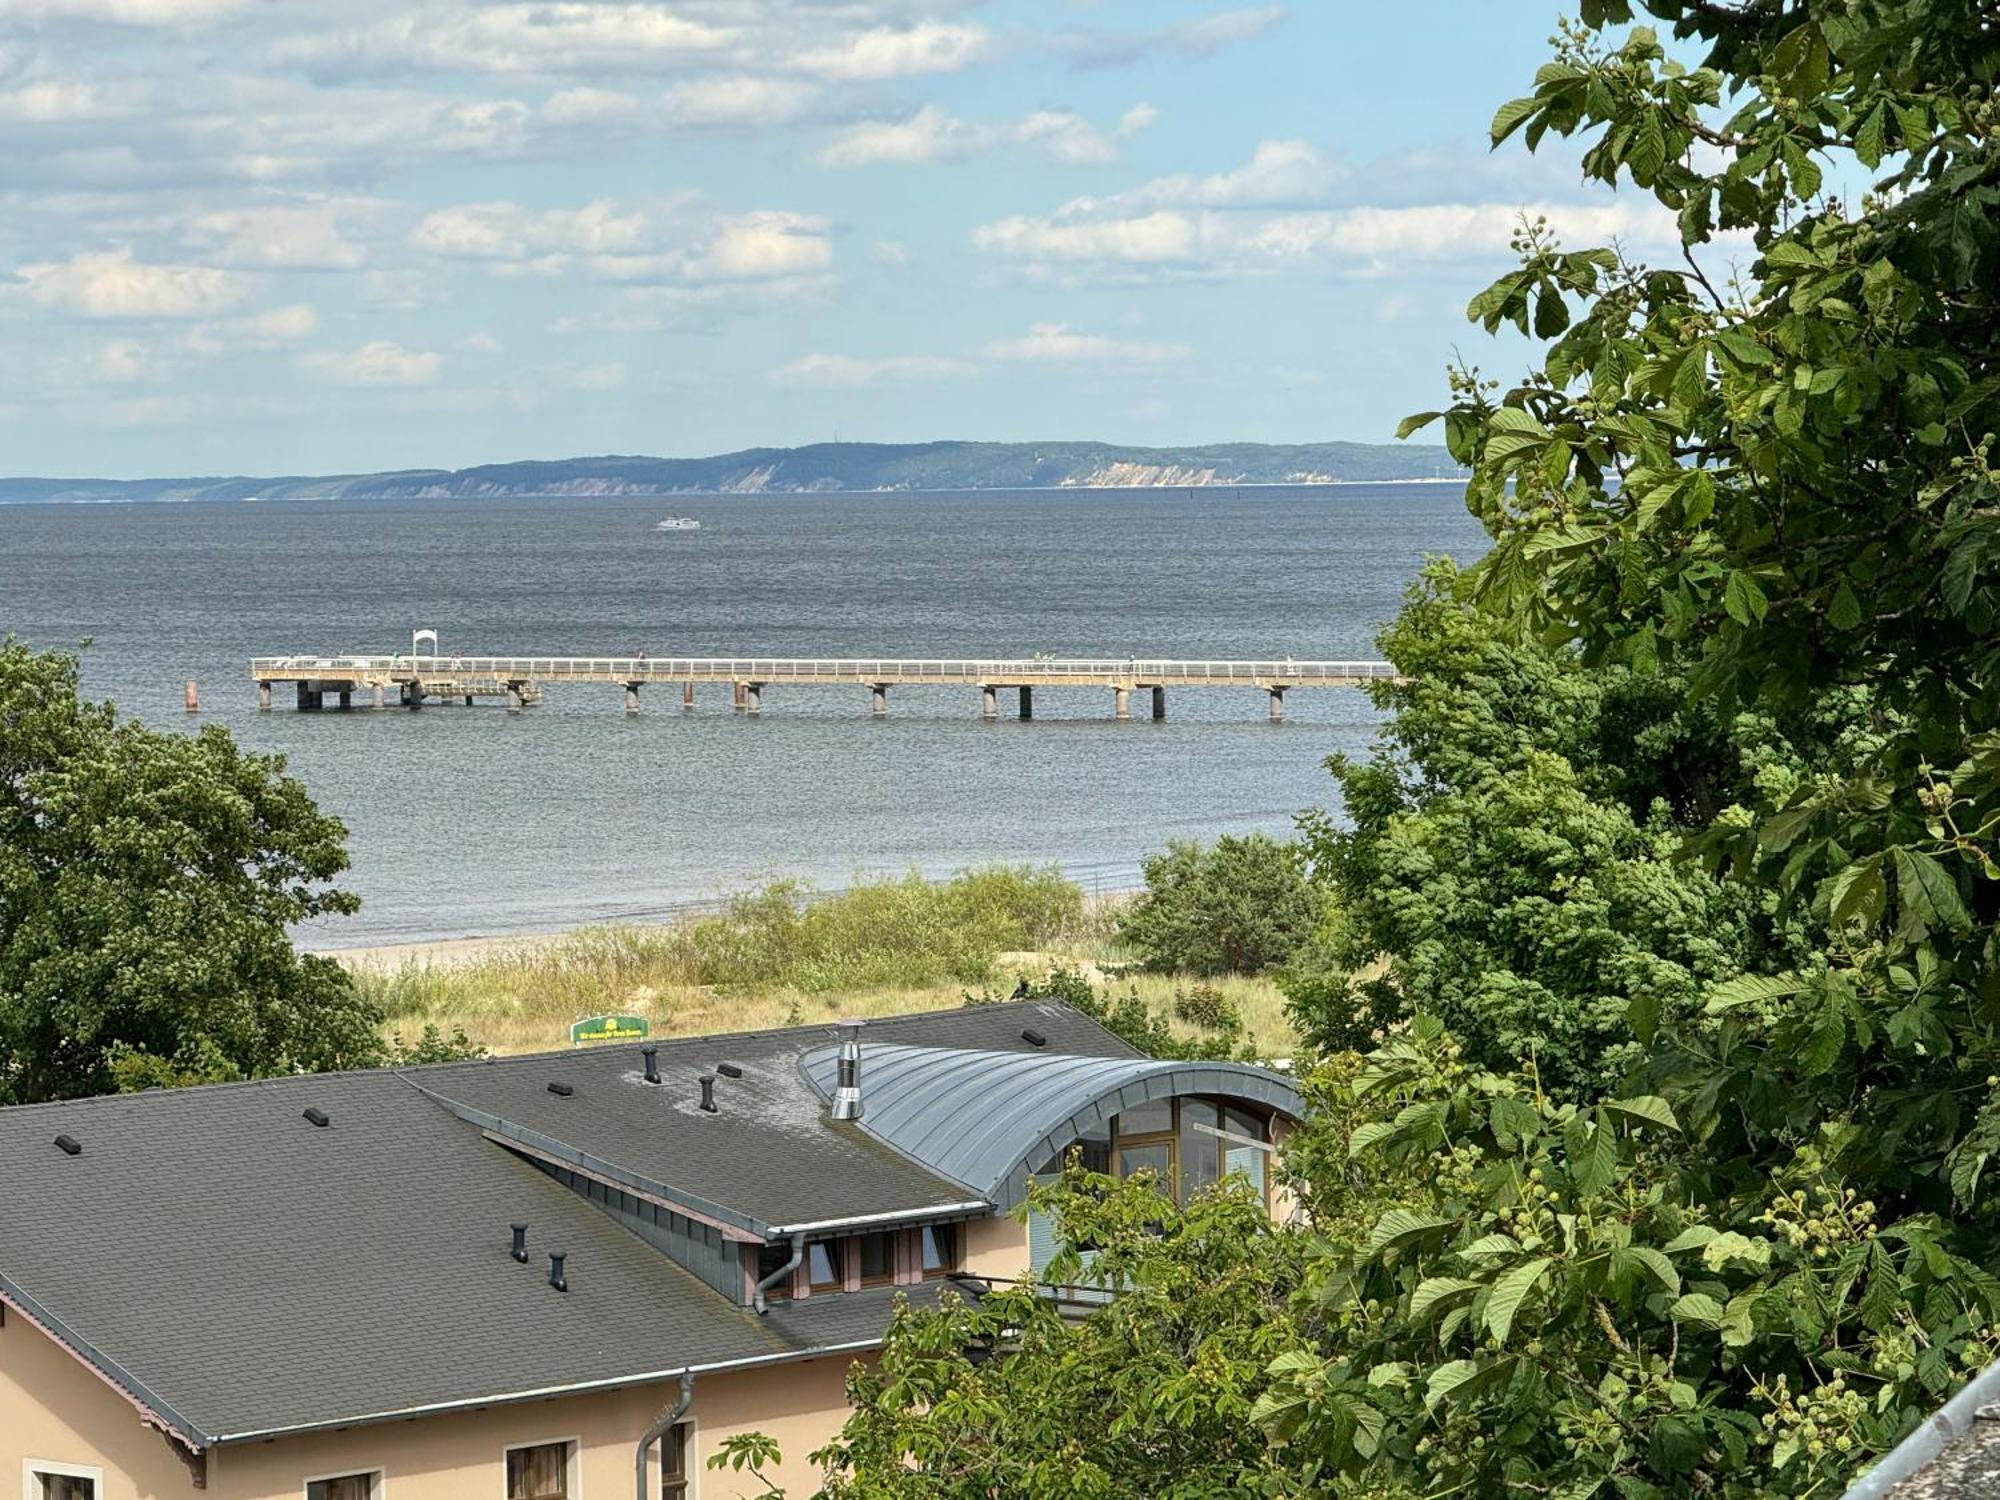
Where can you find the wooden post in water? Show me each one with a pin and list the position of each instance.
(193, 699)
(742, 696)
(263, 696)
(1159, 701)
(1027, 701)
(989, 702)
(378, 697)
(347, 697)
(881, 699)
(1121, 699)
(687, 695)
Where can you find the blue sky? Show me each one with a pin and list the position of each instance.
(264, 236)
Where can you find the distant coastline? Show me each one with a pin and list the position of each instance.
(822, 468)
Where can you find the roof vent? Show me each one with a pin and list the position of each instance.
(561, 1090)
(652, 1056)
(556, 1278)
(730, 1070)
(1034, 1038)
(69, 1145)
(520, 1251)
(847, 1092)
(318, 1117)
(708, 1093)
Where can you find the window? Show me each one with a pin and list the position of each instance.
(1158, 1160)
(538, 1473)
(53, 1482)
(346, 1487)
(1155, 1117)
(940, 1249)
(772, 1259)
(1200, 1150)
(877, 1253)
(674, 1465)
(823, 1266)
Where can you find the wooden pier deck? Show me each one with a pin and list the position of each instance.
(520, 679)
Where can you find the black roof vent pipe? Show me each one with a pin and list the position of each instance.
(1034, 1038)
(69, 1145)
(556, 1278)
(652, 1056)
(729, 1070)
(318, 1117)
(708, 1093)
(520, 1251)
(561, 1090)
(847, 1090)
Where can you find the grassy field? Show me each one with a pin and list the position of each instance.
(785, 956)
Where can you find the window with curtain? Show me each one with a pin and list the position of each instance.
(823, 1265)
(66, 1487)
(674, 1481)
(349, 1487)
(538, 1473)
(940, 1249)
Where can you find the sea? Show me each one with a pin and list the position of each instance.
(471, 821)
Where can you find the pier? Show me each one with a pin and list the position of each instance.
(414, 680)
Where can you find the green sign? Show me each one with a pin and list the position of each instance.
(608, 1029)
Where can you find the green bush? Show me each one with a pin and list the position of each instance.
(1239, 906)
(1205, 1006)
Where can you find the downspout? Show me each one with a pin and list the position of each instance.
(1945, 1426)
(757, 1292)
(660, 1428)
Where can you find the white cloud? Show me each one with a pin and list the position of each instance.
(589, 106)
(605, 377)
(274, 328)
(560, 37)
(56, 102)
(1200, 37)
(845, 372)
(130, 12)
(1137, 118)
(889, 253)
(1058, 343)
(1278, 174)
(738, 101)
(381, 363)
(507, 231)
(887, 52)
(934, 135)
(480, 343)
(758, 246)
(300, 235)
(1363, 238)
(111, 284)
(930, 135)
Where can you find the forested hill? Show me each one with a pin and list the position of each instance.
(822, 466)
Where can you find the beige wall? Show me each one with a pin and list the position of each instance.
(997, 1247)
(53, 1408)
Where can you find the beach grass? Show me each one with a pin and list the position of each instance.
(785, 955)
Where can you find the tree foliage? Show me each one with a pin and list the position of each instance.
(1238, 906)
(1688, 827)
(148, 883)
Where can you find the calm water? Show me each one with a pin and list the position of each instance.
(472, 820)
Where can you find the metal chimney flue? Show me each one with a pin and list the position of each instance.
(556, 1277)
(520, 1251)
(708, 1093)
(847, 1090)
(652, 1056)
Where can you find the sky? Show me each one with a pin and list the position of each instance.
(310, 236)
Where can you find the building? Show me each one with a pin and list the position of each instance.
(499, 1280)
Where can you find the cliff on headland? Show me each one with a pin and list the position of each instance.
(822, 467)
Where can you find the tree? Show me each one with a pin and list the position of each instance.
(1238, 906)
(148, 883)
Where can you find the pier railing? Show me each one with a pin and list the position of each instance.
(1009, 672)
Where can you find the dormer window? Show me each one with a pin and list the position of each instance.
(825, 1271)
(940, 1249)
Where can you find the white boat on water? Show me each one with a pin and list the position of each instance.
(677, 523)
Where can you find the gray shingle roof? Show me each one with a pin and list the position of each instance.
(1029, 1105)
(243, 1272)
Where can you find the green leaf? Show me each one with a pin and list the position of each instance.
(1697, 1308)
(1416, 422)
(1508, 118)
(1743, 598)
(1691, 1237)
(1928, 892)
(1653, 1263)
(1650, 1108)
(1447, 1378)
(1434, 1291)
(1731, 1247)
(1844, 612)
(1510, 1290)
(1871, 136)
(1598, 1164)
(1750, 989)
(1399, 1227)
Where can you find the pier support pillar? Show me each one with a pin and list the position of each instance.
(347, 697)
(514, 697)
(413, 695)
(631, 697)
(468, 700)
(263, 697)
(753, 697)
(687, 695)
(1159, 702)
(378, 697)
(742, 697)
(880, 693)
(1027, 702)
(989, 702)
(1121, 699)
(1277, 705)
(308, 697)
(192, 699)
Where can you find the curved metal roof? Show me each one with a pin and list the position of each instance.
(986, 1119)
